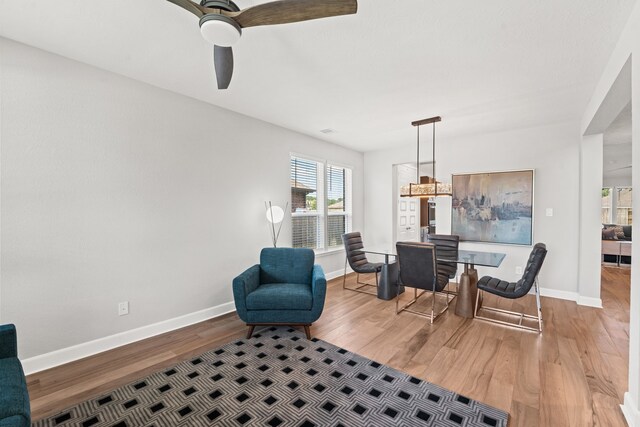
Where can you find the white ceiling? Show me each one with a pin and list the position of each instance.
(483, 66)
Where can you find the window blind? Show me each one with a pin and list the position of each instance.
(338, 204)
(320, 203)
(307, 203)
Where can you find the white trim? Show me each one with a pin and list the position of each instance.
(589, 301)
(555, 293)
(326, 252)
(631, 414)
(69, 354)
(337, 273)
(570, 296)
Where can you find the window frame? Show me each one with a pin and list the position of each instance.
(616, 196)
(610, 207)
(324, 214)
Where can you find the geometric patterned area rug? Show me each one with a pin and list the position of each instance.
(279, 378)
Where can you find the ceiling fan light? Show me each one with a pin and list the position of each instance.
(220, 30)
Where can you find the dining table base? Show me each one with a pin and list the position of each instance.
(467, 291)
(388, 286)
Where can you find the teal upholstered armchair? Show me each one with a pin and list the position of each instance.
(14, 398)
(286, 288)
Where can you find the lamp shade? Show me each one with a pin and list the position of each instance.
(426, 190)
(220, 30)
(275, 214)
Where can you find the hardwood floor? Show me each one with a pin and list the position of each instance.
(574, 374)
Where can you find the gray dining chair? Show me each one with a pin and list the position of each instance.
(419, 270)
(513, 290)
(446, 256)
(359, 263)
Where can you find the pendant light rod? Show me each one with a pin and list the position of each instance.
(432, 188)
(417, 124)
(427, 121)
(418, 156)
(433, 159)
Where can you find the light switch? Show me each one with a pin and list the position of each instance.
(549, 211)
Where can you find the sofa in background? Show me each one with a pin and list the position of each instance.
(14, 397)
(620, 233)
(626, 231)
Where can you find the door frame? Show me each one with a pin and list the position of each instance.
(395, 194)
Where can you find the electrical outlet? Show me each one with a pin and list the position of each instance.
(549, 211)
(123, 308)
(518, 270)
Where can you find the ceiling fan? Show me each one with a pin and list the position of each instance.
(619, 169)
(221, 22)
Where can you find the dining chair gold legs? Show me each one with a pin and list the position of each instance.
(365, 287)
(521, 316)
(431, 316)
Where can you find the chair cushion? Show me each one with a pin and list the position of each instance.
(357, 259)
(443, 278)
(418, 268)
(523, 286)
(280, 296)
(498, 287)
(609, 234)
(369, 267)
(286, 265)
(14, 399)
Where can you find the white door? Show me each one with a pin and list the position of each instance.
(407, 208)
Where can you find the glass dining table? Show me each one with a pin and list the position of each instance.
(467, 288)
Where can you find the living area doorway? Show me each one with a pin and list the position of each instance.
(617, 192)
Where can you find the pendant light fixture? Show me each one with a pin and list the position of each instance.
(435, 188)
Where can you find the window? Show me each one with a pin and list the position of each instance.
(338, 204)
(606, 205)
(623, 206)
(320, 203)
(617, 205)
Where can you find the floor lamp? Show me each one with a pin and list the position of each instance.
(275, 215)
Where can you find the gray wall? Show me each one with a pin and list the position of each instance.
(113, 190)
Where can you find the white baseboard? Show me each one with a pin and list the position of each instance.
(69, 354)
(555, 293)
(590, 302)
(631, 413)
(337, 273)
(571, 296)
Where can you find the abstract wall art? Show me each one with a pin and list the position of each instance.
(493, 207)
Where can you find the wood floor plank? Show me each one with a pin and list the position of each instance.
(578, 401)
(527, 383)
(522, 415)
(552, 396)
(574, 373)
(606, 411)
(500, 395)
(594, 362)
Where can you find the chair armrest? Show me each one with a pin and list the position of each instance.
(243, 285)
(318, 289)
(8, 341)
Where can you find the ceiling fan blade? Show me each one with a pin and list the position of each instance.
(286, 11)
(619, 169)
(223, 63)
(192, 7)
